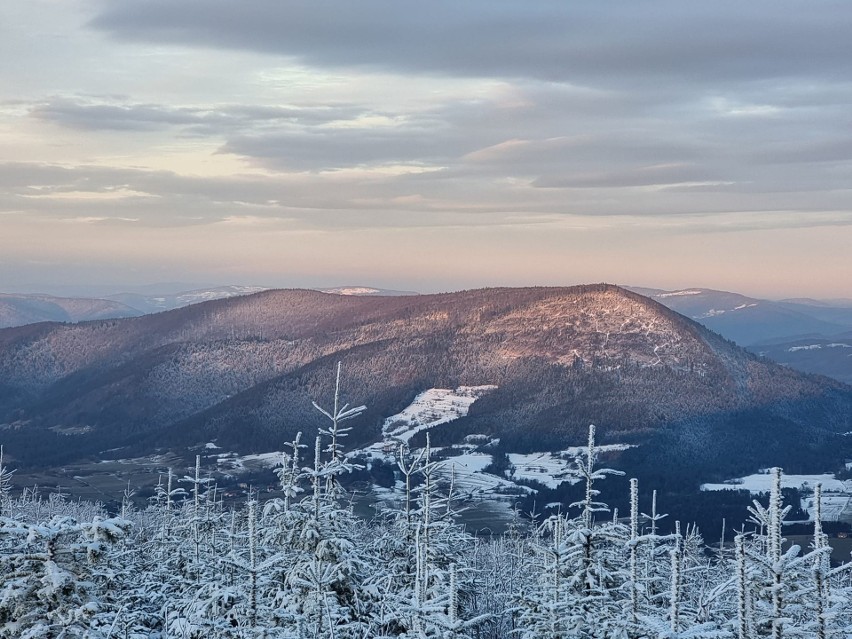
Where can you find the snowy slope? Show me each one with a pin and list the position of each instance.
(430, 408)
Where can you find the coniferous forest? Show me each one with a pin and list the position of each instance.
(305, 566)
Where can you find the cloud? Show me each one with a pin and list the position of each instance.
(587, 43)
(665, 197)
(443, 119)
(91, 115)
(655, 175)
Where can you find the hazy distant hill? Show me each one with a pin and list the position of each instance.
(831, 357)
(243, 371)
(21, 309)
(156, 302)
(18, 309)
(778, 330)
(365, 290)
(748, 321)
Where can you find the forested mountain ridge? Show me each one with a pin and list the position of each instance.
(17, 310)
(242, 372)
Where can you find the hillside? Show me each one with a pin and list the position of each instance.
(242, 372)
(832, 357)
(17, 310)
(750, 321)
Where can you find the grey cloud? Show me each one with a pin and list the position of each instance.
(140, 117)
(836, 148)
(643, 176)
(166, 199)
(593, 43)
(343, 148)
(217, 119)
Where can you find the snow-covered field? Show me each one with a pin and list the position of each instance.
(430, 408)
(465, 470)
(833, 506)
(440, 406)
(464, 464)
(544, 468)
(762, 483)
(836, 495)
(812, 347)
(232, 461)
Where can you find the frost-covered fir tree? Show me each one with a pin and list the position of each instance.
(581, 561)
(57, 575)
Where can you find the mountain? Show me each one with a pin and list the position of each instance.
(832, 357)
(18, 309)
(777, 330)
(155, 302)
(364, 290)
(242, 372)
(748, 320)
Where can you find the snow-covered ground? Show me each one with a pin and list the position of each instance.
(465, 471)
(573, 451)
(544, 468)
(430, 408)
(440, 406)
(814, 347)
(762, 483)
(679, 293)
(834, 506)
(836, 495)
(232, 461)
(193, 297)
(352, 290)
(551, 469)
(464, 464)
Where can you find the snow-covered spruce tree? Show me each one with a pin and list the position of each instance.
(503, 568)
(546, 609)
(148, 576)
(197, 584)
(583, 564)
(695, 605)
(392, 539)
(784, 596)
(336, 464)
(441, 564)
(419, 541)
(830, 609)
(320, 590)
(236, 603)
(5, 484)
(198, 521)
(56, 577)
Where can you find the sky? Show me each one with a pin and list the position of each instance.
(427, 146)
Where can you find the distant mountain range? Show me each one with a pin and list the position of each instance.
(157, 302)
(21, 309)
(18, 310)
(808, 335)
(779, 330)
(242, 372)
(365, 290)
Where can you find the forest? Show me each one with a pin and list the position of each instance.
(303, 565)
